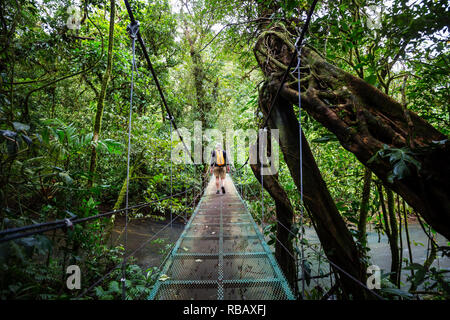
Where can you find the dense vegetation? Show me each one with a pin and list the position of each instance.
(64, 104)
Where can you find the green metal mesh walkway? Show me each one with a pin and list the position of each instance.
(221, 254)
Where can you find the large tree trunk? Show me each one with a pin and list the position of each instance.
(284, 251)
(390, 227)
(101, 96)
(364, 209)
(364, 119)
(393, 239)
(333, 234)
(199, 77)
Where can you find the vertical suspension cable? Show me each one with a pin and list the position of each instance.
(171, 181)
(319, 256)
(194, 186)
(261, 159)
(185, 188)
(299, 49)
(240, 183)
(262, 197)
(133, 30)
(244, 188)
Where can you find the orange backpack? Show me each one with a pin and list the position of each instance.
(220, 161)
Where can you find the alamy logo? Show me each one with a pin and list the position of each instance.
(74, 20)
(374, 280)
(373, 16)
(74, 280)
(239, 145)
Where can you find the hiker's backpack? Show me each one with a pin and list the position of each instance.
(220, 161)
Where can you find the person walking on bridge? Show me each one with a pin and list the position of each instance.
(219, 161)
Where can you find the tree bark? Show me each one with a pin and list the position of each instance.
(101, 96)
(337, 241)
(362, 223)
(198, 74)
(364, 119)
(285, 216)
(395, 251)
(389, 230)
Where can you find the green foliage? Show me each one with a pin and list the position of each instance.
(401, 160)
(432, 279)
(45, 155)
(138, 284)
(46, 123)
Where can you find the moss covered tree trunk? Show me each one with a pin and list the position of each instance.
(284, 251)
(395, 250)
(365, 120)
(199, 76)
(331, 229)
(390, 227)
(101, 96)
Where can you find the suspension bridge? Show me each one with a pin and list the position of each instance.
(221, 253)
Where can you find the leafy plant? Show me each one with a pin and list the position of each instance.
(402, 161)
